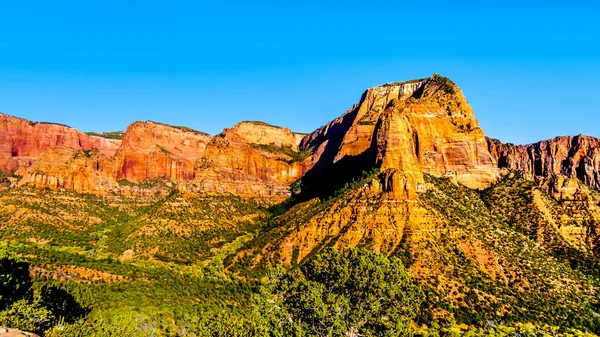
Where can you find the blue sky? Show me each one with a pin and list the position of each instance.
(531, 71)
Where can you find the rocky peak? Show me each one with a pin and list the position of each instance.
(414, 127)
(254, 132)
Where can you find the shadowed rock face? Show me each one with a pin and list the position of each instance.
(404, 129)
(423, 126)
(561, 163)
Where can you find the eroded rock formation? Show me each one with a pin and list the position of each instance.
(238, 161)
(22, 141)
(264, 134)
(405, 129)
(423, 126)
(562, 164)
(151, 150)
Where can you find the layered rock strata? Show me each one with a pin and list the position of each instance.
(423, 126)
(562, 164)
(23, 141)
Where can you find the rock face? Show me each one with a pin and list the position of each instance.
(82, 171)
(22, 141)
(151, 150)
(264, 134)
(231, 165)
(423, 126)
(562, 164)
(404, 129)
(251, 164)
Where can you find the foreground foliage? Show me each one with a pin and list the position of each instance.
(81, 265)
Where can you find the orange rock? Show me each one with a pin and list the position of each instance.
(195, 161)
(230, 165)
(558, 163)
(264, 134)
(150, 150)
(66, 168)
(423, 126)
(22, 141)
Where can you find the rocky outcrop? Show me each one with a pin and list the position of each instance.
(194, 161)
(562, 164)
(439, 126)
(8, 332)
(22, 141)
(231, 165)
(263, 134)
(151, 150)
(423, 126)
(83, 171)
(405, 129)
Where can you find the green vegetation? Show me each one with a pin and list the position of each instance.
(262, 123)
(125, 182)
(5, 178)
(286, 151)
(49, 123)
(353, 292)
(392, 84)
(514, 277)
(163, 150)
(443, 83)
(182, 128)
(108, 135)
(23, 308)
(483, 263)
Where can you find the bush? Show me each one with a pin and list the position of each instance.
(27, 316)
(351, 292)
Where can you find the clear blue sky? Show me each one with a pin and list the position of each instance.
(530, 71)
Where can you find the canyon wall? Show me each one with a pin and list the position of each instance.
(22, 141)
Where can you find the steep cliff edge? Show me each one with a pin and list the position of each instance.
(242, 161)
(415, 127)
(22, 141)
(150, 150)
(83, 171)
(562, 164)
(264, 134)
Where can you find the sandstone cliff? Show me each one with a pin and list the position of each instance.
(423, 126)
(260, 163)
(22, 141)
(150, 150)
(561, 164)
(405, 130)
(231, 165)
(61, 167)
(264, 134)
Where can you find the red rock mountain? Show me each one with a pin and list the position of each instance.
(562, 163)
(150, 150)
(405, 128)
(22, 141)
(243, 161)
